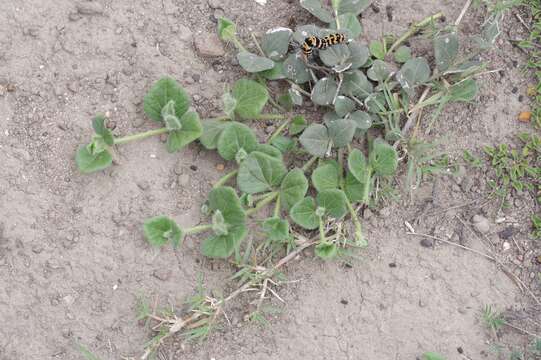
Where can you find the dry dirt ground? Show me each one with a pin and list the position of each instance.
(73, 259)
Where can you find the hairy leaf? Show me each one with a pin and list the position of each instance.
(334, 202)
(234, 137)
(326, 250)
(276, 229)
(377, 49)
(341, 132)
(315, 140)
(432, 356)
(191, 130)
(98, 123)
(251, 98)
(269, 150)
(293, 188)
(326, 177)
(223, 246)
(357, 165)
(163, 91)
(303, 214)
(353, 188)
(160, 230)
(276, 73)
(297, 125)
(226, 29)
(212, 129)
(463, 91)
(260, 172)
(383, 158)
(89, 161)
(283, 143)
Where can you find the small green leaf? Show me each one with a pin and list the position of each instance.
(275, 42)
(297, 125)
(353, 6)
(160, 230)
(445, 50)
(276, 229)
(260, 172)
(402, 54)
(88, 161)
(353, 188)
(218, 223)
(212, 129)
(341, 132)
(335, 55)
(343, 105)
(295, 69)
(334, 202)
(362, 120)
(234, 137)
(283, 143)
(315, 7)
(357, 165)
(377, 49)
(379, 71)
(241, 155)
(293, 188)
(223, 246)
(326, 250)
(359, 54)
(349, 22)
(414, 72)
(191, 130)
(230, 103)
(251, 98)
(296, 96)
(98, 123)
(356, 84)
(315, 140)
(253, 63)
(169, 117)
(464, 91)
(269, 150)
(383, 158)
(326, 177)
(226, 29)
(432, 356)
(163, 91)
(276, 73)
(303, 214)
(324, 91)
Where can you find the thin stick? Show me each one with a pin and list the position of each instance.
(413, 29)
(521, 330)
(463, 12)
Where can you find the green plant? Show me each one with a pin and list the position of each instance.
(432, 356)
(492, 319)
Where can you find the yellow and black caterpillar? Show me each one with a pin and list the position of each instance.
(314, 42)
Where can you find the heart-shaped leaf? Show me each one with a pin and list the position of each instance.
(334, 202)
(163, 91)
(402, 54)
(464, 91)
(251, 98)
(315, 140)
(160, 230)
(331, 117)
(260, 172)
(303, 214)
(297, 125)
(234, 137)
(343, 105)
(356, 84)
(491, 31)
(315, 7)
(357, 165)
(326, 177)
(276, 229)
(269, 150)
(223, 246)
(293, 188)
(276, 73)
(98, 123)
(191, 130)
(377, 49)
(359, 54)
(383, 158)
(445, 50)
(352, 6)
(283, 143)
(349, 22)
(275, 42)
(89, 161)
(295, 69)
(335, 55)
(324, 91)
(341, 132)
(253, 63)
(212, 129)
(326, 250)
(353, 188)
(362, 120)
(226, 29)
(414, 72)
(379, 71)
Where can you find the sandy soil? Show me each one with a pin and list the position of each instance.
(72, 255)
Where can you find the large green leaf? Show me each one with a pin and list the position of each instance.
(357, 165)
(275, 42)
(226, 29)
(269, 150)
(356, 84)
(160, 230)
(383, 158)
(324, 91)
(253, 63)
(293, 188)
(349, 22)
(343, 105)
(315, 140)
(353, 188)
(334, 202)
(326, 177)
(341, 132)
(90, 161)
(251, 98)
(98, 123)
(295, 69)
(445, 50)
(303, 213)
(212, 129)
(276, 229)
(190, 131)
(234, 137)
(352, 6)
(326, 250)
(163, 91)
(315, 7)
(260, 172)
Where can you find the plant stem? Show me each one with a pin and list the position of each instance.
(198, 229)
(237, 43)
(140, 136)
(366, 195)
(341, 166)
(322, 238)
(254, 38)
(277, 207)
(262, 203)
(279, 130)
(269, 117)
(309, 164)
(359, 238)
(413, 29)
(224, 179)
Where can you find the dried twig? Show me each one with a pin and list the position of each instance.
(463, 12)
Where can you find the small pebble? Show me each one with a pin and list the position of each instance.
(507, 233)
(506, 246)
(344, 302)
(427, 243)
(392, 265)
(481, 224)
(193, 167)
(162, 274)
(89, 8)
(220, 167)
